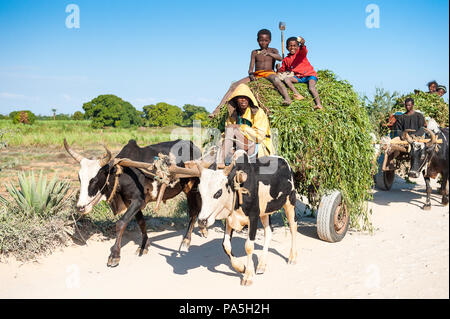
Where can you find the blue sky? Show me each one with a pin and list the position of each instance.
(190, 51)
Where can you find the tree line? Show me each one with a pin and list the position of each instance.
(111, 111)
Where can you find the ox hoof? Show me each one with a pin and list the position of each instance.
(246, 282)
(204, 232)
(141, 251)
(260, 269)
(184, 247)
(426, 207)
(113, 262)
(445, 202)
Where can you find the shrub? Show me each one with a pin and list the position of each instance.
(24, 117)
(37, 197)
(78, 116)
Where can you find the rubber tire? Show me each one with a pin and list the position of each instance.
(383, 180)
(325, 217)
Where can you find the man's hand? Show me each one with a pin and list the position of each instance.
(301, 41)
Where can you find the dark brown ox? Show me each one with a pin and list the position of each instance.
(433, 154)
(128, 189)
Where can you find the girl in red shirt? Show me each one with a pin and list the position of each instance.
(297, 63)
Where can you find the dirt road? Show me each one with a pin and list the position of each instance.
(406, 257)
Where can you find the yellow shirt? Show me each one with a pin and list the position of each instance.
(256, 128)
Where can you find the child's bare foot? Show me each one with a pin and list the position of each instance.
(298, 97)
(287, 102)
(318, 107)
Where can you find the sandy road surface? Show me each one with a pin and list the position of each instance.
(407, 257)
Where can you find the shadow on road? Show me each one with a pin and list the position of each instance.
(402, 192)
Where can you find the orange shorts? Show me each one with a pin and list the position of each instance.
(263, 74)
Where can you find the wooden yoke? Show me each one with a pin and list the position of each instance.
(164, 170)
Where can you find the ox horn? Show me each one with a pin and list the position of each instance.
(433, 137)
(105, 160)
(200, 167)
(241, 177)
(72, 153)
(406, 136)
(227, 170)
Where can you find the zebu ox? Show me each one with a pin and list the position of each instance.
(433, 154)
(244, 192)
(128, 189)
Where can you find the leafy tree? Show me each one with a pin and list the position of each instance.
(193, 112)
(24, 117)
(13, 114)
(78, 116)
(54, 114)
(111, 110)
(163, 114)
(379, 109)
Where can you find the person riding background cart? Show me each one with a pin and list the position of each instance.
(411, 121)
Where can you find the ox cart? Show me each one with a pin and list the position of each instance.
(395, 153)
(332, 215)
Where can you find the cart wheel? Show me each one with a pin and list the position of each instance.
(384, 180)
(332, 218)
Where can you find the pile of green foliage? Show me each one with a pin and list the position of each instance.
(23, 117)
(431, 105)
(327, 149)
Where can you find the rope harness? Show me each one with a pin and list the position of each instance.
(119, 171)
(161, 174)
(239, 189)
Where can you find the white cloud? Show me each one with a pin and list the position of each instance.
(14, 96)
(43, 77)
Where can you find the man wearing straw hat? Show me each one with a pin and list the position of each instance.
(247, 127)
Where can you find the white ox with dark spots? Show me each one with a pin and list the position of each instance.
(257, 190)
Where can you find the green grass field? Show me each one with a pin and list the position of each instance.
(51, 134)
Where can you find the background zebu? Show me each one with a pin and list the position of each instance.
(133, 189)
(436, 158)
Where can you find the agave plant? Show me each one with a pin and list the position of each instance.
(38, 196)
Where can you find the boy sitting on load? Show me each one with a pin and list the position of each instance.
(303, 72)
(261, 66)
